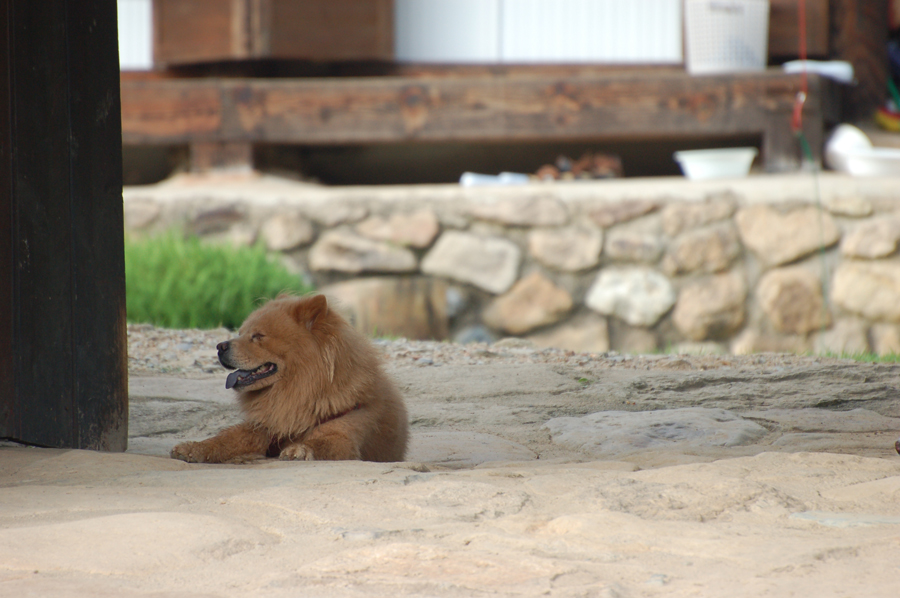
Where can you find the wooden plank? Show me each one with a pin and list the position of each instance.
(784, 28)
(63, 312)
(389, 109)
(174, 111)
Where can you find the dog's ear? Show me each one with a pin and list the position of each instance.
(309, 311)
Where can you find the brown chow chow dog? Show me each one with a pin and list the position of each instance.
(310, 387)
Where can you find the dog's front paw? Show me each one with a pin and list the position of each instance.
(192, 452)
(297, 452)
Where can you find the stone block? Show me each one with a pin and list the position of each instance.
(333, 214)
(585, 333)
(417, 229)
(215, 220)
(489, 263)
(847, 337)
(413, 307)
(611, 214)
(521, 211)
(633, 246)
(625, 338)
(532, 302)
(140, 214)
(792, 299)
(870, 289)
(678, 217)
(850, 207)
(754, 341)
(872, 239)
(885, 338)
(782, 237)
(712, 308)
(568, 249)
(706, 250)
(640, 296)
(342, 250)
(286, 231)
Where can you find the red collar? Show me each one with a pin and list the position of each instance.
(338, 415)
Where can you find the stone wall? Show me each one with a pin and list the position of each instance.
(759, 264)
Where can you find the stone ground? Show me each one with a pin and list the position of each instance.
(530, 472)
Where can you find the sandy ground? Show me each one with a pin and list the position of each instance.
(530, 473)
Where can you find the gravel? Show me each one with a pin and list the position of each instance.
(192, 354)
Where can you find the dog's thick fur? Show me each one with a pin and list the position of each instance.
(310, 387)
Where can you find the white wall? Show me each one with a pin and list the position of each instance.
(535, 31)
(492, 31)
(135, 34)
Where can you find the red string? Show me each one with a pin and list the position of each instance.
(797, 118)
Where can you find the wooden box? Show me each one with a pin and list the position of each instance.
(784, 30)
(196, 31)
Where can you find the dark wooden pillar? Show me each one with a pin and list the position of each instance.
(63, 374)
(859, 35)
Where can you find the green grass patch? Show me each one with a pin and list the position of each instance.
(177, 282)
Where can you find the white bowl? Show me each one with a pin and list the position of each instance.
(843, 140)
(874, 161)
(716, 163)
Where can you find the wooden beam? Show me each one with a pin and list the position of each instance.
(63, 370)
(391, 109)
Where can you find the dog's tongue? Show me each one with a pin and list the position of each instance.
(233, 377)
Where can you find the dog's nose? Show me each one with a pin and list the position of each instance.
(222, 347)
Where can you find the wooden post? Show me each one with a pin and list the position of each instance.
(222, 156)
(63, 371)
(859, 36)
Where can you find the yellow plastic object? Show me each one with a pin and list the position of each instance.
(888, 120)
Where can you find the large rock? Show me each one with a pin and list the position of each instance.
(870, 289)
(334, 213)
(569, 249)
(707, 250)
(633, 246)
(216, 220)
(873, 239)
(848, 337)
(490, 263)
(410, 307)
(615, 213)
(417, 229)
(528, 211)
(792, 299)
(625, 338)
(851, 207)
(286, 231)
(140, 214)
(678, 217)
(531, 303)
(778, 238)
(754, 341)
(639, 296)
(712, 308)
(344, 251)
(585, 333)
(885, 339)
(612, 433)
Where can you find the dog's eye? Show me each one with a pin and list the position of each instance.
(257, 336)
